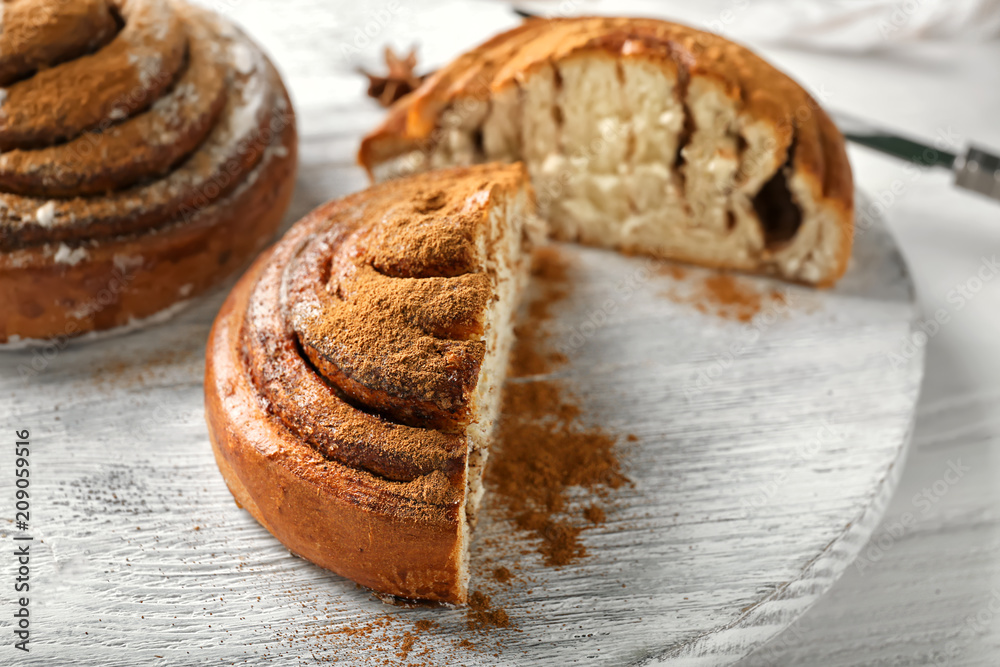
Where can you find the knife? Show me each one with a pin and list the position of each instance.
(978, 170)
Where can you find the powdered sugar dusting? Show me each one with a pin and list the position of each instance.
(158, 17)
(147, 58)
(243, 58)
(71, 256)
(46, 214)
(148, 65)
(254, 93)
(168, 110)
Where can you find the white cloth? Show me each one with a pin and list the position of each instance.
(870, 25)
(834, 25)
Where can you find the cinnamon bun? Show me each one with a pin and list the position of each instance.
(147, 151)
(645, 136)
(353, 375)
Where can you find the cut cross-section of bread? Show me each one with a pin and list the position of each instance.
(354, 374)
(645, 136)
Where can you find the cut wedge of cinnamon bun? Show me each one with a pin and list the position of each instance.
(147, 151)
(354, 373)
(645, 136)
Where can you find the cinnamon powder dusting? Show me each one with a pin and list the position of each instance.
(413, 280)
(531, 355)
(731, 297)
(502, 575)
(722, 294)
(542, 450)
(482, 616)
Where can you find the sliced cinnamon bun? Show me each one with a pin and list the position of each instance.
(147, 151)
(645, 136)
(353, 375)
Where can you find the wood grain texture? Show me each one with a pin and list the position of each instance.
(766, 455)
(751, 496)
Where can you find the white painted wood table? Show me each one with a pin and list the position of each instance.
(145, 558)
(929, 594)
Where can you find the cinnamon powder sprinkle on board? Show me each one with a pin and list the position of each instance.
(675, 271)
(482, 616)
(542, 450)
(502, 575)
(727, 296)
(531, 355)
(595, 514)
(731, 297)
(424, 625)
(408, 641)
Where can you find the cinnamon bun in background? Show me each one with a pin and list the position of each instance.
(148, 152)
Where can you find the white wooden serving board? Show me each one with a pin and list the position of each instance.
(752, 493)
(766, 453)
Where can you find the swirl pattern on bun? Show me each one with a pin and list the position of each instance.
(148, 149)
(353, 375)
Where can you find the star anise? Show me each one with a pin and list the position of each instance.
(398, 82)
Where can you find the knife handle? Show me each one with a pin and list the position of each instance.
(979, 171)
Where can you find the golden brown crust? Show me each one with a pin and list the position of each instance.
(762, 93)
(132, 277)
(330, 448)
(838, 190)
(216, 158)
